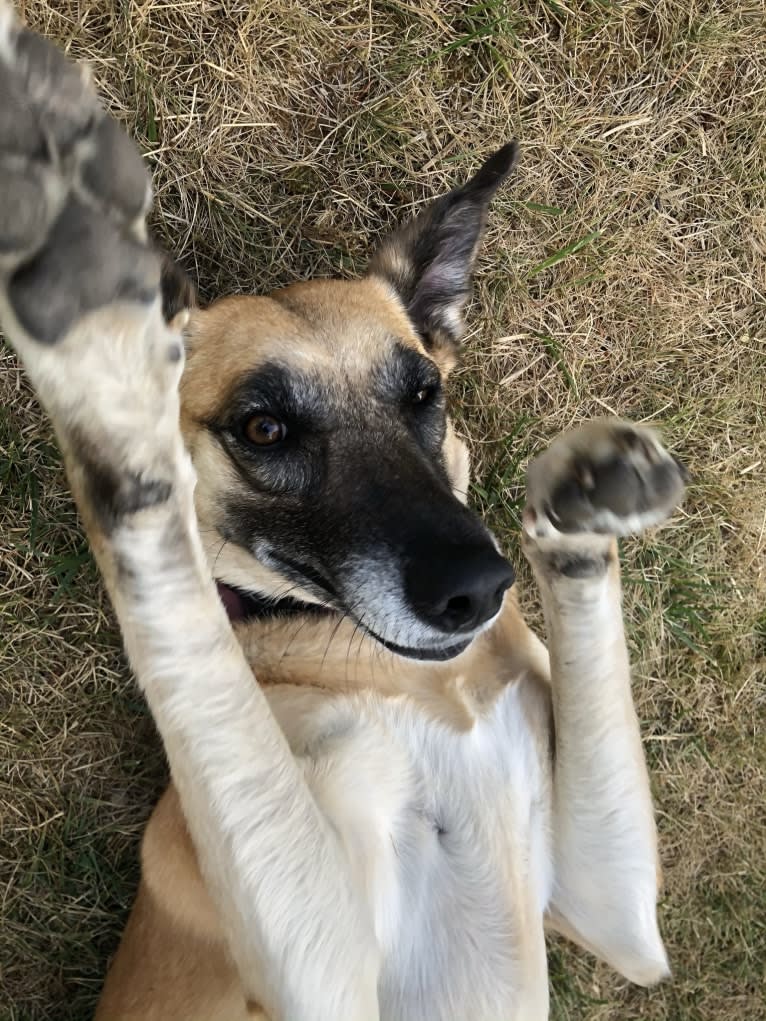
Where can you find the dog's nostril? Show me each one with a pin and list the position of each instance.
(459, 605)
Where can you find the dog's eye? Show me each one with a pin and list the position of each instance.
(264, 430)
(424, 395)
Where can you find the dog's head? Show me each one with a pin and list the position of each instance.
(328, 469)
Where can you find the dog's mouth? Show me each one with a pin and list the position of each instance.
(242, 606)
(439, 654)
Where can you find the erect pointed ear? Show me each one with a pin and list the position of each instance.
(178, 292)
(429, 261)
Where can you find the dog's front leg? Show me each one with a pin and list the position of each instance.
(79, 301)
(605, 479)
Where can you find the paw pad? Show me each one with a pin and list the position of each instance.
(73, 193)
(608, 477)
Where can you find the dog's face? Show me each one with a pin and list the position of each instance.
(328, 469)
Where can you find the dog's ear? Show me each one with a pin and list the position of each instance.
(429, 261)
(178, 291)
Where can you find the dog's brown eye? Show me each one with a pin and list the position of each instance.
(265, 431)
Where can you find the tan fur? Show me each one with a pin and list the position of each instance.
(306, 325)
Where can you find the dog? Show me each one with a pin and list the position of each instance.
(385, 823)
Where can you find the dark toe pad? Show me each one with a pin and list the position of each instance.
(87, 263)
(615, 486)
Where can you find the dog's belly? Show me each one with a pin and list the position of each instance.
(449, 836)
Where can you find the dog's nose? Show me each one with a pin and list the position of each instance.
(458, 588)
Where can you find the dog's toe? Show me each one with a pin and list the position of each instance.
(25, 208)
(114, 173)
(47, 99)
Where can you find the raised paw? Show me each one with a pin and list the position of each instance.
(73, 195)
(607, 477)
(79, 283)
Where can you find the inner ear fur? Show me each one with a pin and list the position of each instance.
(429, 261)
(179, 293)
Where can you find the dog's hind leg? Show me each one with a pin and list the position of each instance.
(79, 301)
(608, 478)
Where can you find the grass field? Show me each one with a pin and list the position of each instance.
(623, 272)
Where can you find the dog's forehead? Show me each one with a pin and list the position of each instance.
(329, 329)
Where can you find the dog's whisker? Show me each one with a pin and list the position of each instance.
(302, 623)
(360, 630)
(218, 554)
(348, 614)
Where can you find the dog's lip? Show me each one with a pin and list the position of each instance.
(433, 654)
(241, 605)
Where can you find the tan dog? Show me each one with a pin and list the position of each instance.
(383, 825)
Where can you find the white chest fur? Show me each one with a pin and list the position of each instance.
(448, 834)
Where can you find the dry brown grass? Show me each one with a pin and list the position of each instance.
(283, 137)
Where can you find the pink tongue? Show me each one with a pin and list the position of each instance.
(232, 601)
